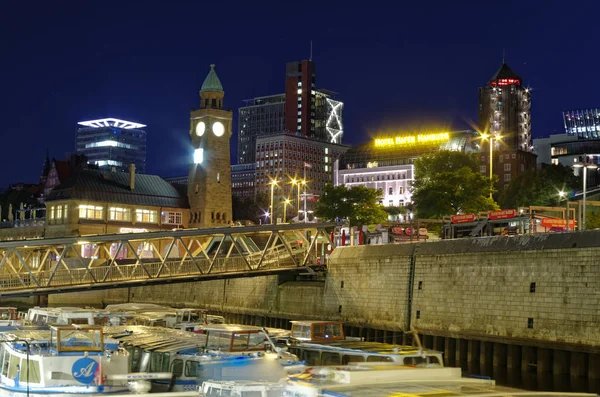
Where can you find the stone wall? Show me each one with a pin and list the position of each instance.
(472, 288)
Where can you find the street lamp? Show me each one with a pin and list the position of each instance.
(562, 194)
(273, 183)
(303, 181)
(297, 182)
(485, 136)
(285, 204)
(585, 165)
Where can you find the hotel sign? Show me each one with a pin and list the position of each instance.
(463, 218)
(413, 140)
(502, 214)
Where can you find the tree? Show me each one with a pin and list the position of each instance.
(448, 183)
(539, 187)
(249, 208)
(358, 204)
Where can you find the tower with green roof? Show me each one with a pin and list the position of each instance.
(209, 181)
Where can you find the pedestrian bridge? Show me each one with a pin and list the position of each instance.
(46, 266)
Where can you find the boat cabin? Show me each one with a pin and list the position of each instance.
(234, 338)
(317, 331)
(8, 316)
(70, 339)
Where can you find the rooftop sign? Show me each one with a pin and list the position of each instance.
(110, 122)
(413, 140)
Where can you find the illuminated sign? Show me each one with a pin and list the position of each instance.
(412, 140)
(557, 222)
(503, 82)
(372, 164)
(132, 230)
(501, 214)
(111, 122)
(463, 218)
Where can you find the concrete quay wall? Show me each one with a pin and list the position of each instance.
(538, 289)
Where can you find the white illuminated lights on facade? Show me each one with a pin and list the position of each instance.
(110, 144)
(334, 121)
(198, 156)
(111, 122)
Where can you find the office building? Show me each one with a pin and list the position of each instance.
(386, 163)
(505, 115)
(584, 124)
(243, 178)
(113, 144)
(303, 110)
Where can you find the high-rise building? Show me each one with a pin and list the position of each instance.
(505, 115)
(303, 110)
(259, 116)
(209, 180)
(113, 143)
(243, 177)
(504, 110)
(585, 124)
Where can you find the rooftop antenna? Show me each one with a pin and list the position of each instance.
(504, 55)
(310, 51)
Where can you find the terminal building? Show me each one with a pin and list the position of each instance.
(386, 163)
(113, 144)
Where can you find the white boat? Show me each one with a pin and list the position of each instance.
(9, 317)
(61, 360)
(221, 352)
(73, 315)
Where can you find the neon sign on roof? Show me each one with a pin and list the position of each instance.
(111, 122)
(503, 82)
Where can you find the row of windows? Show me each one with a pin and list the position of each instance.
(289, 145)
(379, 177)
(125, 215)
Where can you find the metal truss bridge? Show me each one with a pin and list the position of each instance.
(46, 266)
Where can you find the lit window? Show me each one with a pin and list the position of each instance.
(198, 156)
(299, 113)
(145, 216)
(90, 212)
(66, 211)
(326, 150)
(51, 212)
(171, 218)
(300, 91)
(59, 212)
(326, 168)
(299, 84)
(119, 214)
(299, 120)
(326, 159)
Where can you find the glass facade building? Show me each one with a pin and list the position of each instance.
(585, 124)
(113, 144)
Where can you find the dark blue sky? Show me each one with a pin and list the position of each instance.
(395, 64)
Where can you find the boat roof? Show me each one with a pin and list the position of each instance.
(230, 328)
(157, 339)
(8, 308)
(368, 347)
(310, 322)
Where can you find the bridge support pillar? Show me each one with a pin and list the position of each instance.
(473, 357)
(528, 359)
(486, 358)
(450, 352)
(593, 367)
(578, 365)
(544, 360)
(560, 364)
(513, 358)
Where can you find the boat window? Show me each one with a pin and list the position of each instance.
(434, 360)
(295, 351)
(215, 392)
(52, 320)
(311, 357)
(240, 341)
(218, 340)
(331, 359)
(350, 358)
(190, 368)
(256, 340)
(379, 359)
(34, 370)
(177, 368)
(135, 353)
(301, 331)
(415, 360)
(13, 368)
(159, 362)
(333, 330)
(1, 356)
(144, 361)
(5, 363)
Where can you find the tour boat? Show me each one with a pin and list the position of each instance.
(324, 343)
(73, 315)
(219, 352)
(61, 360)
(9, 317)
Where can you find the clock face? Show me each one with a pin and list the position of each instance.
(218, 128)
(200, 128)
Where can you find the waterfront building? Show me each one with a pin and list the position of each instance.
(243, 178)
(386, 163)
(505, 115)
(113, 144)
(584, 124)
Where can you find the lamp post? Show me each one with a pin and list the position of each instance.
(305, 212)
(485, 136)
(297, 184)
(585, 165)
(285, 204)
(273, 183)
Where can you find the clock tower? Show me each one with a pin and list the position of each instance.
(209, 181)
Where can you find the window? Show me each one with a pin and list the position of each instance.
(506, 156)
(514, 155)
(482, 169)
(506, 167)
(59, 212)
(171, 218)
(190, 368)
(146, 216)
(530, 322)
(501, 158)
(506, 177)
(177, 368)
(391, 191)
(532, 287)
(482, 158)
(391, 203)
(51, 212)
(66, 211)
(90, 212)
(119, 214)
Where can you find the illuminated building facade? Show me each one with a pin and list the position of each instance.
(505, 114)
(303, 110)
(113, 144)
(386, 163)
(243, 177)
(584, 124)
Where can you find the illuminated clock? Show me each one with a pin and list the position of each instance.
(200, 127)
(218, 128)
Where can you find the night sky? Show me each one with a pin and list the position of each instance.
(396, 65)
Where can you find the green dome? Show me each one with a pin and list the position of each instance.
(212, 82)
